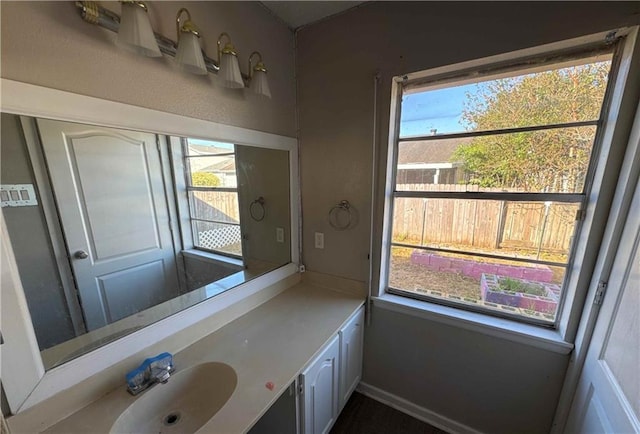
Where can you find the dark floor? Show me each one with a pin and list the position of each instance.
(363, 415)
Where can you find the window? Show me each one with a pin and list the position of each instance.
(491, 174)
(212, 188)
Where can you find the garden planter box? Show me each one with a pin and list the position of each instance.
(491, 292)
(475, 269)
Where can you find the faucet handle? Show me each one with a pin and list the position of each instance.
(162, 375)
(151, 371)
(161, 367)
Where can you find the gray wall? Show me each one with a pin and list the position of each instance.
(203, 271)
(31, 245)
(264, 172)
(462, 375)
(62, 51)
(489, 384)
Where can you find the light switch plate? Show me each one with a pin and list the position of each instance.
(17, 195)
(319, 240)
(280, 235)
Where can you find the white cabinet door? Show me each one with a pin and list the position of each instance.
(351, 342)
(320, 391)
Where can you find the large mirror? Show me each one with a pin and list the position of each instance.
(115, 229)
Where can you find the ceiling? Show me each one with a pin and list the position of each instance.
(299, 13)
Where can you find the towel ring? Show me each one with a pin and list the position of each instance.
(334, 215)
(256, 209)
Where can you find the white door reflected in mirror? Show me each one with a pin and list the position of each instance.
(111, 199)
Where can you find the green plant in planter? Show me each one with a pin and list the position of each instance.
(514, 285)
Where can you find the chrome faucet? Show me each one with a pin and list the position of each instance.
(151, 372)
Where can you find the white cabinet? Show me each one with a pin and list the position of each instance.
(328, 382)
(319, 383)
(351, 342)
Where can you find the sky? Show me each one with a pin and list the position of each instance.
(440, 109)
(200, 142)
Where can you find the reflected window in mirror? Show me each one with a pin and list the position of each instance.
(212, 186)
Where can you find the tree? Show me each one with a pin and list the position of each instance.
(553, 160)
(205, 179)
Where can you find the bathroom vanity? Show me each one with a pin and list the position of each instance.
(307, 329)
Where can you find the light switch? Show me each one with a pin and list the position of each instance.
(319, 237)
(280, 235)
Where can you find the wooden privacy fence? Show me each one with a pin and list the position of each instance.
(488, 224)
(216, 205)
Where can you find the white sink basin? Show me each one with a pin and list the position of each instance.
(186, 402)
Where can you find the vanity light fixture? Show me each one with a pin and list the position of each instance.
(189, 55)
(258, 82)
(228, 61)
(135, 33)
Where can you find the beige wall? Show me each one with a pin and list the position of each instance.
(48, 44)
(336, 61)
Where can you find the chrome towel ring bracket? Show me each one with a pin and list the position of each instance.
(256, 209)
(342, 216)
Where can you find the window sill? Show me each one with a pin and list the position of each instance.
(202, 255)
(498, 327)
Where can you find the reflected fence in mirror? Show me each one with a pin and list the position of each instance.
(164, 223)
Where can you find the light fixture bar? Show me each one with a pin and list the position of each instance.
(93, 13)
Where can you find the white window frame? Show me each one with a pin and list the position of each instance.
(607, 163)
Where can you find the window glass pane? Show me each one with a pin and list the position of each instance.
(214, 171)
(532, 230)
(196, 147)
(570, 92)
(548, 161)
(219, 206)
(509, 287)
(218, 236)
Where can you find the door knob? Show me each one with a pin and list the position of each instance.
(81, 254)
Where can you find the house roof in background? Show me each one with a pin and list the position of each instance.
(300, 13)
(430, 151)
(203, 150)
(223, 166)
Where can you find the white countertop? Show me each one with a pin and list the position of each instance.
(271, 343)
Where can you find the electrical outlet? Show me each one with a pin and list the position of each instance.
(319, 237)
(280, 235)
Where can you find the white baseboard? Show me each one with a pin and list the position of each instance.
(420, 413)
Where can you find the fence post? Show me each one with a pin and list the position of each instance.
(547, 205)
(424, 220)
(502, 220)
